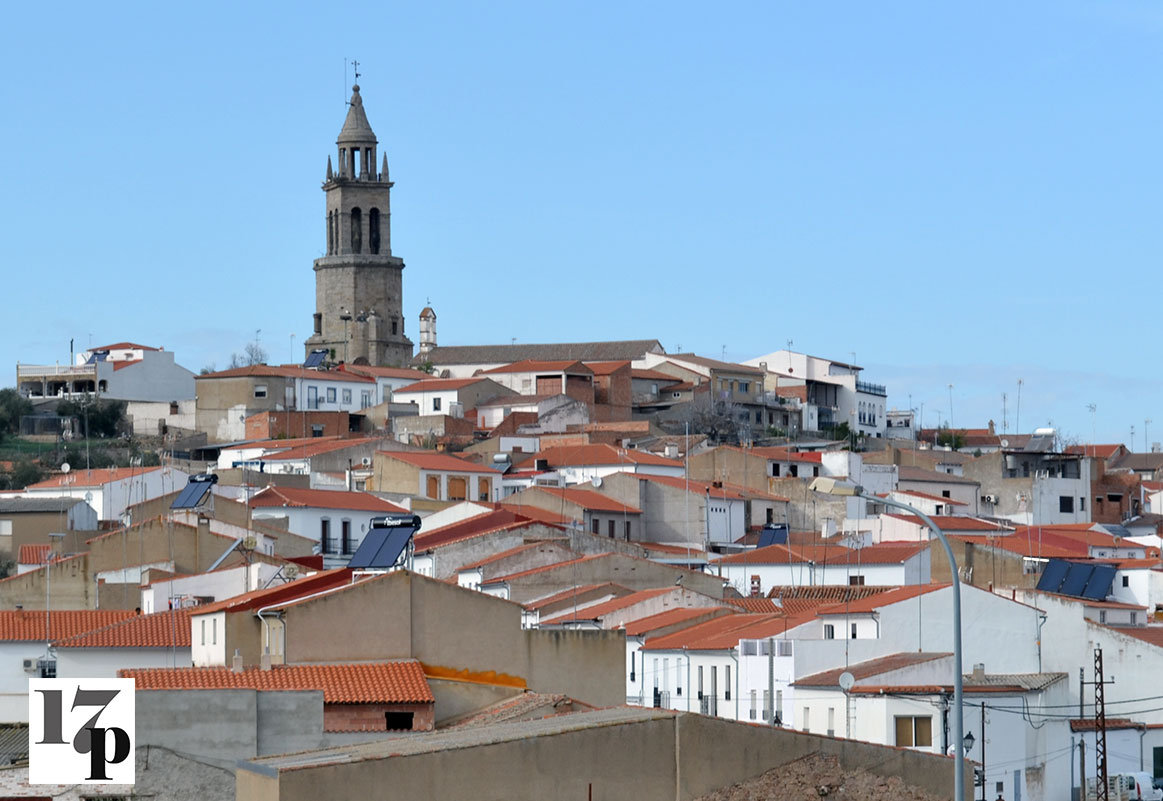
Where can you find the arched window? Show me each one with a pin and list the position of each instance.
(373, 231)
(330, 232)
(356, 231)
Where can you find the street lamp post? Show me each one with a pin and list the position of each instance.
(831, 486)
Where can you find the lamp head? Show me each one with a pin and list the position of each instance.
(835, 486)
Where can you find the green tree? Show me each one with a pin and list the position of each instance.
(12, 408)
(25, 472)
(98, 418)
(951, 439)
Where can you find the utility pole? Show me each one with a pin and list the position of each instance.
(983, 751)
(1100, 728)
(1081, 738)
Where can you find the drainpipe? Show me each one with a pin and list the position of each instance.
(1042, 622)
(735, 658)
(266, 627)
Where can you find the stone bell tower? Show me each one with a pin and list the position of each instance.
(359, 284)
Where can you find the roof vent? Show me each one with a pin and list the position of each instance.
(236, 663)
(979, 672)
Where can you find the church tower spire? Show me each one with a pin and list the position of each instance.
(359, 283)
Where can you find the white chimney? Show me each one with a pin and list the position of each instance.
(236, 662)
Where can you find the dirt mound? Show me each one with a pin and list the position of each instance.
(820, 778)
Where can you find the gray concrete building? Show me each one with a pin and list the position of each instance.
(359, 284)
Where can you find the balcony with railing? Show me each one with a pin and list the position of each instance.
(872, 389)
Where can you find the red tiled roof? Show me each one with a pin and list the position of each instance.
(715, 490)
(599, 454)
(476, 526)
(671, 617)
(287, 371)
(606, 607)
(438, 385)
(308, 585)
(536, 513)
(91, 478)
(868, 669)
(1070, 541)
(384, 372)
(122, 346)
(605, 368)
(34, 554)
(401, 682)
(120, 363)
(316, 448)
(1101, 451)
(654, 375)
(880, 600)
(1090, 724)
(535, 366)
(587, 499)
(575, 591)
(780, 454)
(430, 460)
(885, 553)
(27, 624)
(323, 499)
(950, 523)
(724, 632)
(499, 556)
(758, 606)
(928, 497)
(159, 630)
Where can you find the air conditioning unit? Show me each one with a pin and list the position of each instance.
(29, 665)
(991, 499)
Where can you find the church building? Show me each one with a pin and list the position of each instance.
(359, 283)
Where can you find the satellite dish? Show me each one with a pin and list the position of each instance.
(846, 681)
(1005, 443)
(65, 467)
(596, 481)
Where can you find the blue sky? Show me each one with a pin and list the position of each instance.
(958, 195)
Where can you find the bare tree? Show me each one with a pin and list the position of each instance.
(251, 355)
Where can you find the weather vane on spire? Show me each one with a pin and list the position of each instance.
(355, 67)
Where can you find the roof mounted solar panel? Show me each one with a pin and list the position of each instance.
(1077, 579)
(1099, 585)
(386, 542)
(195, 491)
(1052, 575)
(315, 358)
(772, 534)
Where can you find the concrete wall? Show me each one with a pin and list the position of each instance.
(457, 634)
(664, 759)
(230, 724)
(635, 574)
(71, 586)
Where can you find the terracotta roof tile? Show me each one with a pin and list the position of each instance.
(598, 454)
(323, 499)
(952, 523)
(430, 460)
(613, 605)
(315, 448)
(91, 478)
(875, 602)
(587, 499)
(868, 669)
(401, 682)
(26, 624)
(538, 366)
(286, 371)
(308, 585)
(476, 526)
(725, 632)
(438, 385)
(158, 630)
(34, 554)
(672, 617)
